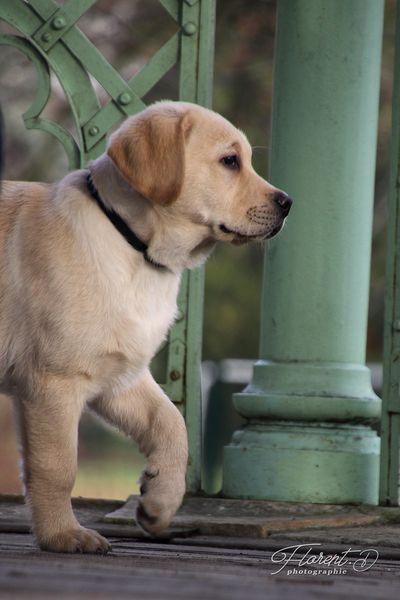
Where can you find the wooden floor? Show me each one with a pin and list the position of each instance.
(193, 566)
(138, 569)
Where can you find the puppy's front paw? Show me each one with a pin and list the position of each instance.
(76, 540)
(161, 492)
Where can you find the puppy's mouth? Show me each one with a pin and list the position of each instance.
(244, 238)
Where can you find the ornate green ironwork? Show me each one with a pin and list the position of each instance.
(53, 43)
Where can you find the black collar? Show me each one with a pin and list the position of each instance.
(122, 227)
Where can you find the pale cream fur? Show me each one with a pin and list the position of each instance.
(82, 313)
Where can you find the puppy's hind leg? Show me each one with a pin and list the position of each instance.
(49, 419)
(147, 415)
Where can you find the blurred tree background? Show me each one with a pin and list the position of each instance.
(128, 32)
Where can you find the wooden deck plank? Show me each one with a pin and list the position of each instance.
(190, 568)
(170, 571)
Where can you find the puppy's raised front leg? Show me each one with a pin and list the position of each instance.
(49, 417)
(147, 415)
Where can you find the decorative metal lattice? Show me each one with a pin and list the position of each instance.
(53, 43)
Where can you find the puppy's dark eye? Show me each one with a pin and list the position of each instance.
(231, 161)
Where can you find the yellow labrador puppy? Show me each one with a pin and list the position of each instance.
(89, 275)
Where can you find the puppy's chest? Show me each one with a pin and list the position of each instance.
(140, 316)
(135, 324)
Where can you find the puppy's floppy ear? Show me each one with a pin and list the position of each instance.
(149, 152)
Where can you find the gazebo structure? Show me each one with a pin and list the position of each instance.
(311, 431)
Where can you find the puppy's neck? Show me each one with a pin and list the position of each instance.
(166, 237)
(116, 193)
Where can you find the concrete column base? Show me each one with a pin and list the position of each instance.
(303, 462)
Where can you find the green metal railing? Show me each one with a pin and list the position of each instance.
(52, 41)
(390, 422)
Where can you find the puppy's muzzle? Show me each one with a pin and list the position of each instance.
(262, 214)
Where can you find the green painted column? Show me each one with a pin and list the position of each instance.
(310, 403)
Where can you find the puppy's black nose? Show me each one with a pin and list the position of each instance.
(284, 201)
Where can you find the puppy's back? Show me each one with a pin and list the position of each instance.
(20, 202)
(17, 197)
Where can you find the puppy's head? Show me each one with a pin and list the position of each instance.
(197, 166)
